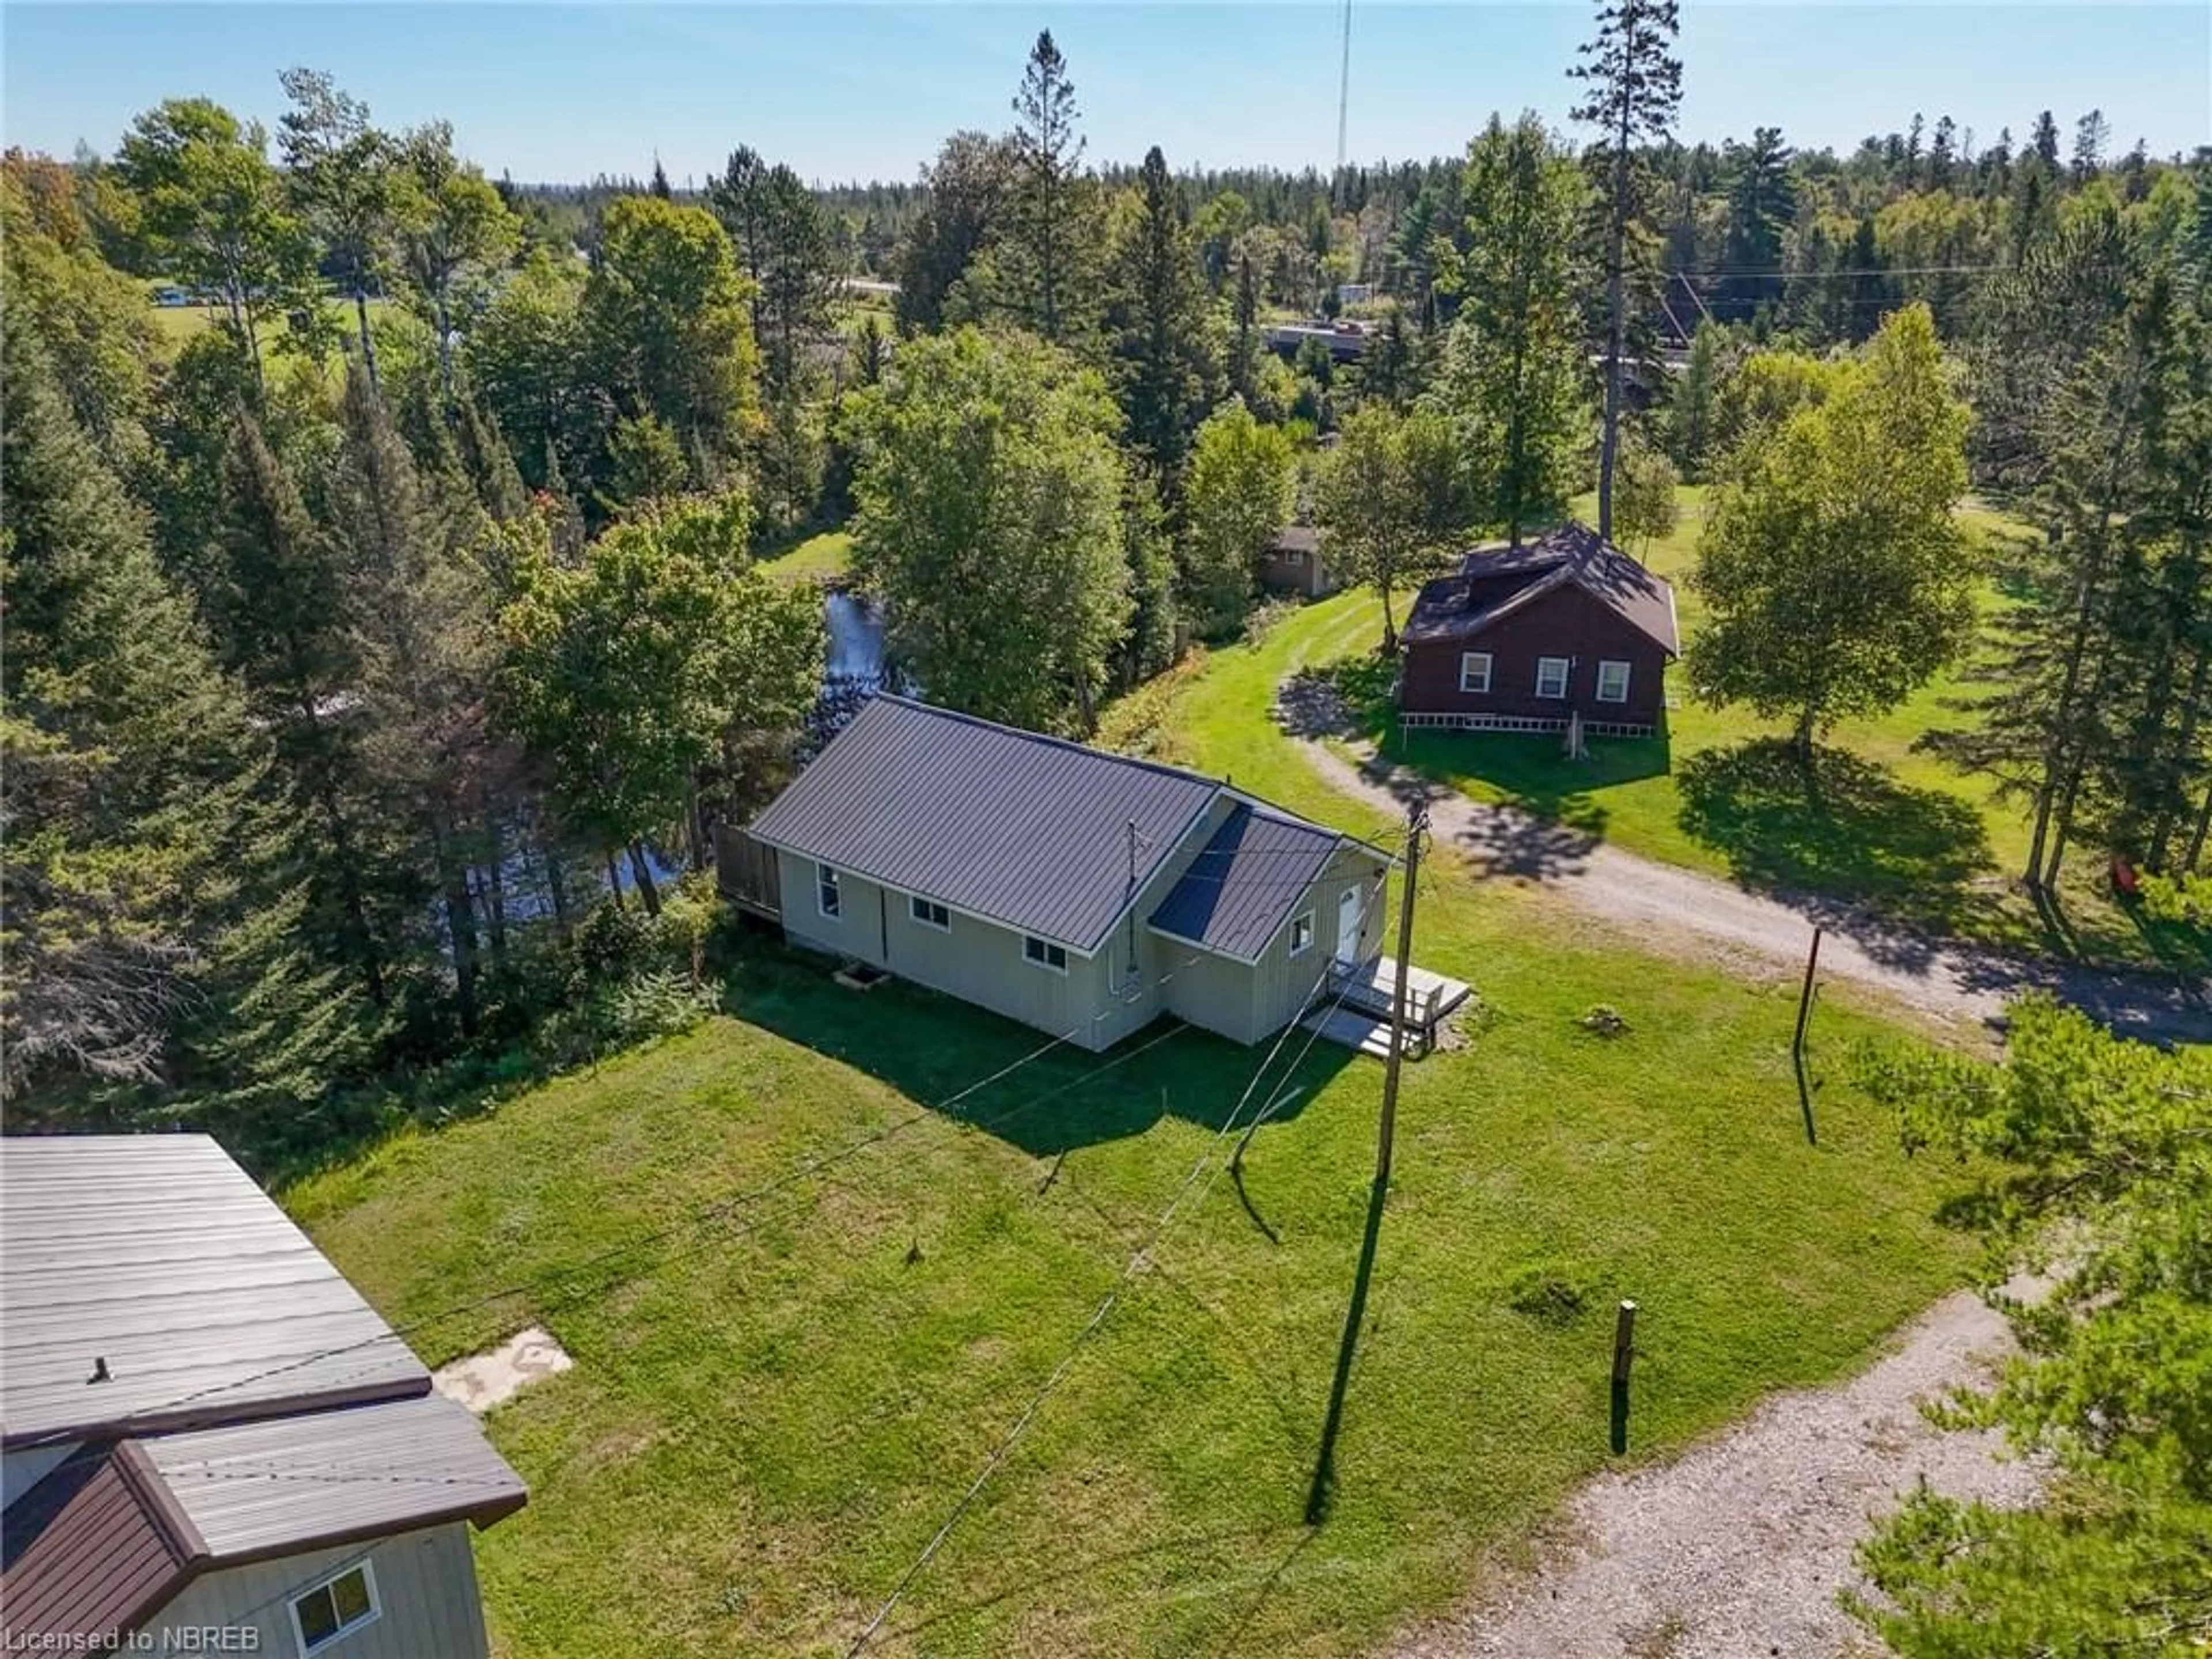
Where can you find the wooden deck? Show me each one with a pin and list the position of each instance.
(1361, 996)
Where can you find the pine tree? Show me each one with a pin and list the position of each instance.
(1634, 87)
(1513, 364)
(1156, 322)
(1050, 241)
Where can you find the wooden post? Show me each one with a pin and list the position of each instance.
(1417, 821)
(1624, 1350)
(1324, 1475)
(1624, 1341)
(1797, 1042)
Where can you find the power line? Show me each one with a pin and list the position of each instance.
(1099, 1315)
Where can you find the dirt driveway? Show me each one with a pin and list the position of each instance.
(1736, 1549)
(1944, 981)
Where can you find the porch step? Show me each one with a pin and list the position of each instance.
(1354, 1031)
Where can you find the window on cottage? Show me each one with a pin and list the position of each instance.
(827, 898)
(1551, 676)
(335, 1608)
(1301, 933)
(1474, 670)
(1613, 682)
(929, 913)
(1295, 555)
(1043, 953)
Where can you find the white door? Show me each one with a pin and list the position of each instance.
(1349, 911)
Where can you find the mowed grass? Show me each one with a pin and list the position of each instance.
(821, 557)
(1893, 824)
(771, 1415)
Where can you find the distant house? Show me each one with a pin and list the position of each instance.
(1293, 563)
(211, 1442)
(1522, 638)
(1080, 892)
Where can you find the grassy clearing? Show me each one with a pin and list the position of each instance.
(770, 1416)
(821, 557)
(1893, 825)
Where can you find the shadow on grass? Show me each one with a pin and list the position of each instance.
(1844, 828)
(1554, 816)
(938, 1051)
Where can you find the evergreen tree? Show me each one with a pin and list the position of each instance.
(2091, 1169)
(1634, 87)
(343, 179)
(968, 191)
(1513, 365)
(1761, 205)
(1156, 322)
(1049, 245)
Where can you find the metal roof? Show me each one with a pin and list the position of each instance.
(89, 1551)
(1028, 831)
(1462, 605)
(293, 1483)
(159, 1255)
(118, 1530)
(1258, 866)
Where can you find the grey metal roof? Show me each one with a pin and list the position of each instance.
(1256, 868)
(117, 1530)
(1028, 831)
(1480, 593)
(158, 1254)
(294, 1483)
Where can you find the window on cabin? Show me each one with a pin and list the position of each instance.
(1551, 676)
(1301, 933)
(930, 913)
(1043, 953)
(1474, 670)
(1613, 682)
(335, 1608)
(827, 898)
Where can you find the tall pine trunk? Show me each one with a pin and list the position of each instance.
(640, 869)
(367, 341)
(1616, 332)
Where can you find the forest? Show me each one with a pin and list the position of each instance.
(390, 621)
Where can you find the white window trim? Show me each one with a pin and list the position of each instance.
(1566, 676)
(1043, 959)
(825, 883)
(1294, 556)
(1306, 921)
(1605, 663)
(915, 904)
(367, 1569)
(1467, 660)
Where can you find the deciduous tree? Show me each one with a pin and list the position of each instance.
(990, 519)
(1837, 577)
(1393, 498)
(1242, 490)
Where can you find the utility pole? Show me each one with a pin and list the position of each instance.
(1344, 88)
(1324, 1476)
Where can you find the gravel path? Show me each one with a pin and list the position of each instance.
(1946, 981)
(1736, 1550)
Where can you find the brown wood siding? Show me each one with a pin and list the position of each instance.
(1281, 573)
(1568, 622)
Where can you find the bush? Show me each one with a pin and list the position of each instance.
(1605, 1020)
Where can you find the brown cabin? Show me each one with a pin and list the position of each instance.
(1293, 563)
(1521, 639)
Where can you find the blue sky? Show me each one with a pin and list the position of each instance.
(565, 91)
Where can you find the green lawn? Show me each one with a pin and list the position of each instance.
(1892, 824)
(770, 1415)
(821, 557)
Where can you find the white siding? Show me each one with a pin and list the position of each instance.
(426, 1590)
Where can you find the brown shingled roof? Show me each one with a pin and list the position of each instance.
(1493, 583)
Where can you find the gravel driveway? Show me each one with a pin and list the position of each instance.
(1946, 981)
(1736, 1550)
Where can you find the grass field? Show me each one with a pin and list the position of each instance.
(821, 557)
(771, 1415)
(1893, 825)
